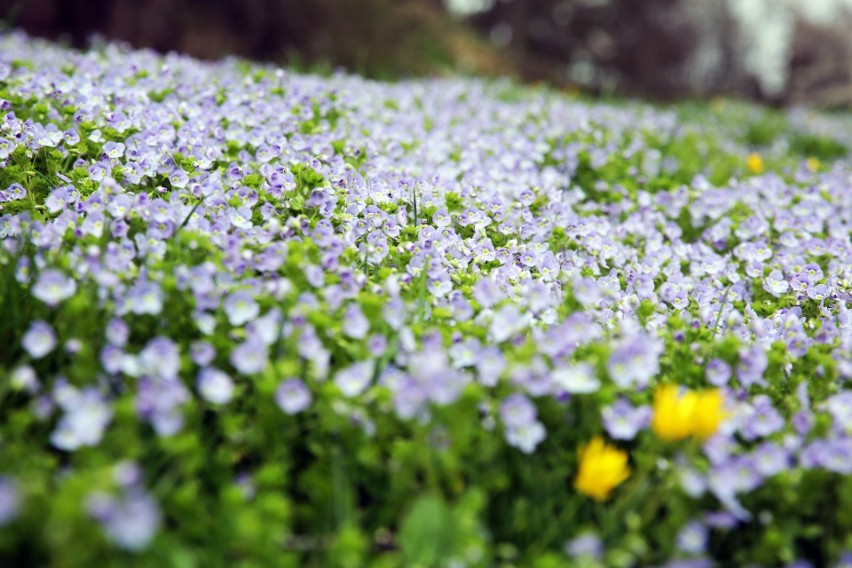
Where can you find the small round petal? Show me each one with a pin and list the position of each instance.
(215, 386)
(292, 396)
(39, 340)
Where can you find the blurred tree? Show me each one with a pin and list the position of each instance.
(376, 37)
(643, 46)
(821, 63)
(657, 48)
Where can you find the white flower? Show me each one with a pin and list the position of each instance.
(215, 386)
(354, 379)
(241, 308)
(86, 417)
(39, 340)
(576, 379)
(53, 286)
(526, 437)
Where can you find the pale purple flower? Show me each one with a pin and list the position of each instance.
(763, 420)
(578, 378)
(487, 292)
(507, 321)
(692, 482)
(585, 545)
(39, 340)
(160, 358)
(844, 560)
(464, 353)
(202, 353)
(86, 417)
(215, 386)
(718, 372)
(130, 521)
(634, 361)
(52, 287)
(839, 406)
(394, 313)
(692, 538)
(10, 500)
(489, 365)
(586, 291)
(737, 475)
(516, 410)
(803, 421)
(770, 459)
(355, 379)
(24, 378)
(355, 324)
(753, 363)
(292, 396)
(159, 402)
(117, 332)
(775, 284)
(833, 455)
(377, 344)
(818, 292)
(112, 359)
(144, 298)
(526, 437)
(249, 357)
(623, 421)
(240, 307)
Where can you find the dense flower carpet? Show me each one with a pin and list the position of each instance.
(257, 318)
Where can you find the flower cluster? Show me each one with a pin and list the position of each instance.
(248, 313)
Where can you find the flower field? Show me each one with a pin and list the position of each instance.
(256, 318)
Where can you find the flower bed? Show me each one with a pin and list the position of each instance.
(255, 318)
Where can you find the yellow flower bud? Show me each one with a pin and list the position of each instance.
(708, 413)
(602, 467)
(754, 163)
(680, 415)
(812, 163)
(673, 412)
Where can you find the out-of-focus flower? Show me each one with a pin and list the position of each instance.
(215, 386)
(812, 163)
(708, 413)
(292, 396)
(240, 308)
(53, 286)
(576, 379)
(678, 415)
(10, 501)
(585, 545)
(130, 521)
(622, 421)
(86, 417)
(602, 468)
(39, 340)
(754, 163)
(673, 412)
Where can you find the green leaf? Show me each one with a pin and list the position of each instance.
(428, 534)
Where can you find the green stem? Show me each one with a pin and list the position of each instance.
(721, 309)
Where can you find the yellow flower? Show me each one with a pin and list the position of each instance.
(754, 163)
(673, 413)
(812, 163)
(679, 415)
(602, 467)
(708, 413)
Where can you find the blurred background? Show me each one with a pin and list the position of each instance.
(784, 52)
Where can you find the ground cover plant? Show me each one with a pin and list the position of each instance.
(256, 318)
